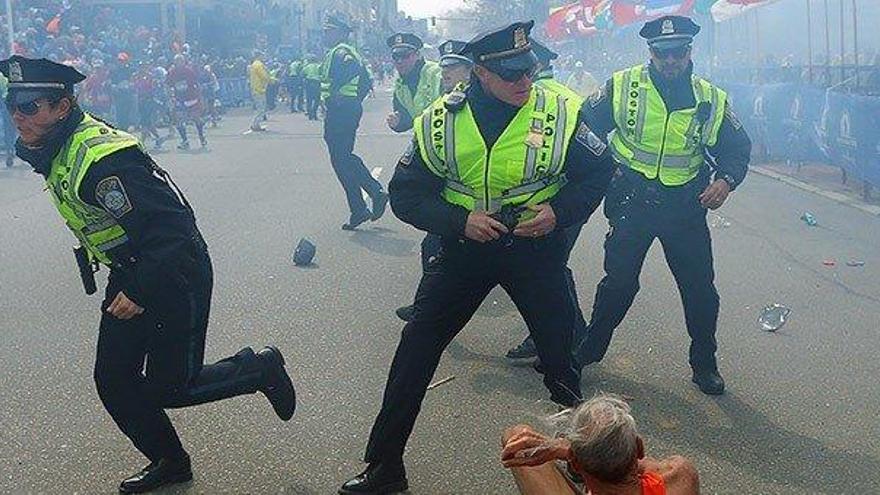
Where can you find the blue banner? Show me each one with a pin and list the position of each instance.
(803, 123)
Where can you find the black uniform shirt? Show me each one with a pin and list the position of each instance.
(415, 190)
(732, 151)
(160, 227)
(411, 80)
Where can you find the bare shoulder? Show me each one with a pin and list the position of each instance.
(680, 475)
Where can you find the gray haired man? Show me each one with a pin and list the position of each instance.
(604, 448)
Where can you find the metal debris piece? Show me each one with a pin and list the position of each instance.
(441, 382)
(773, 317)
(809, 219)
(855, 263)
(829, 262)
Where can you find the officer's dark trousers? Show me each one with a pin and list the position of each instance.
(340, 127)
(295, 90)
(172, 343)
(532, 272)
(680, 225)
(313, 98)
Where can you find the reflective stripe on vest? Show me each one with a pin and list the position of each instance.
(553, 85)
(96, 229)
(654, 142)
(427, 90)
(524, 166)
(350, 88)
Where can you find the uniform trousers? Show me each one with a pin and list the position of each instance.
(155, 361)
(638, 213)
(532, 272)
(340, 129)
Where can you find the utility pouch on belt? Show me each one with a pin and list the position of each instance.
(87, 270)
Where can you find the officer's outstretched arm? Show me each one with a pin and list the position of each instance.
(415, 198)
(588, 167)
(597, 111)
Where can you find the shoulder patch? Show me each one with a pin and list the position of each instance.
(407, 156)
(110, 194)
(590, 140)
(734, 120)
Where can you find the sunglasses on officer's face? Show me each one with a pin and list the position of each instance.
(677, 53)
(514, 75)
(398, 56)
(29, 108)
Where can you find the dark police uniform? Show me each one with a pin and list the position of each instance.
(129, 216)
(545, 78)
(642, 208)
(420, 86)
(344, 84)
(530, 269)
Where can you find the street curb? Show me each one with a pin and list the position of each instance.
(833, 196)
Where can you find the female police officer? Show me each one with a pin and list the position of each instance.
(128, 216)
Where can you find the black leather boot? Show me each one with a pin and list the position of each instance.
(406, 313)
(165, 471)
(379, 478)
(277, 386)
(709, 381)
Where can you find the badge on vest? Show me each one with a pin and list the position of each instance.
(535, 138)
(110, 194)
(588, 138)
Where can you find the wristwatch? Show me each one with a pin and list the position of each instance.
(729, 179)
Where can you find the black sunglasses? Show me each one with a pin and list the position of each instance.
(398, 56)
(28, 108)
(678, 52)
(514, 75)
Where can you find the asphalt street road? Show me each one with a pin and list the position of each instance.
(800, 415)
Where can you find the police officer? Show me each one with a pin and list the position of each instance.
(681, 151)
(312, 80)
(526, 350)
(345, 82)
(498, 172)
(295, 85)
(418, 81)
(455, 69)
(129, 217)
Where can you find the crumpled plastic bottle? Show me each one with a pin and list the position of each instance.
(773, 317)
(809, 219)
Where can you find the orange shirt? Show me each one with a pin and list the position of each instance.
(652, 484)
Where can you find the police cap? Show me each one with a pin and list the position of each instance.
(404, 42)
(507, 47)
(544, 54)
(670, 31)
(31, 79)
(450, 53)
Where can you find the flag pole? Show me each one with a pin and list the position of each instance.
(827, 47)
(855, 15)
(842, 45)
(809, 42)
(9, 26)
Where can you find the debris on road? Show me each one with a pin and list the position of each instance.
(773, 317)
(304, 252)
(809, 219)
(441, 382)
(719, 221)
(829, 262)
(855, 263)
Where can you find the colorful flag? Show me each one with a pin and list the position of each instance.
(724, 10)
(631, 11)
(584, 18)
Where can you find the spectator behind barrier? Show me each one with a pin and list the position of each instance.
(603, 448)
